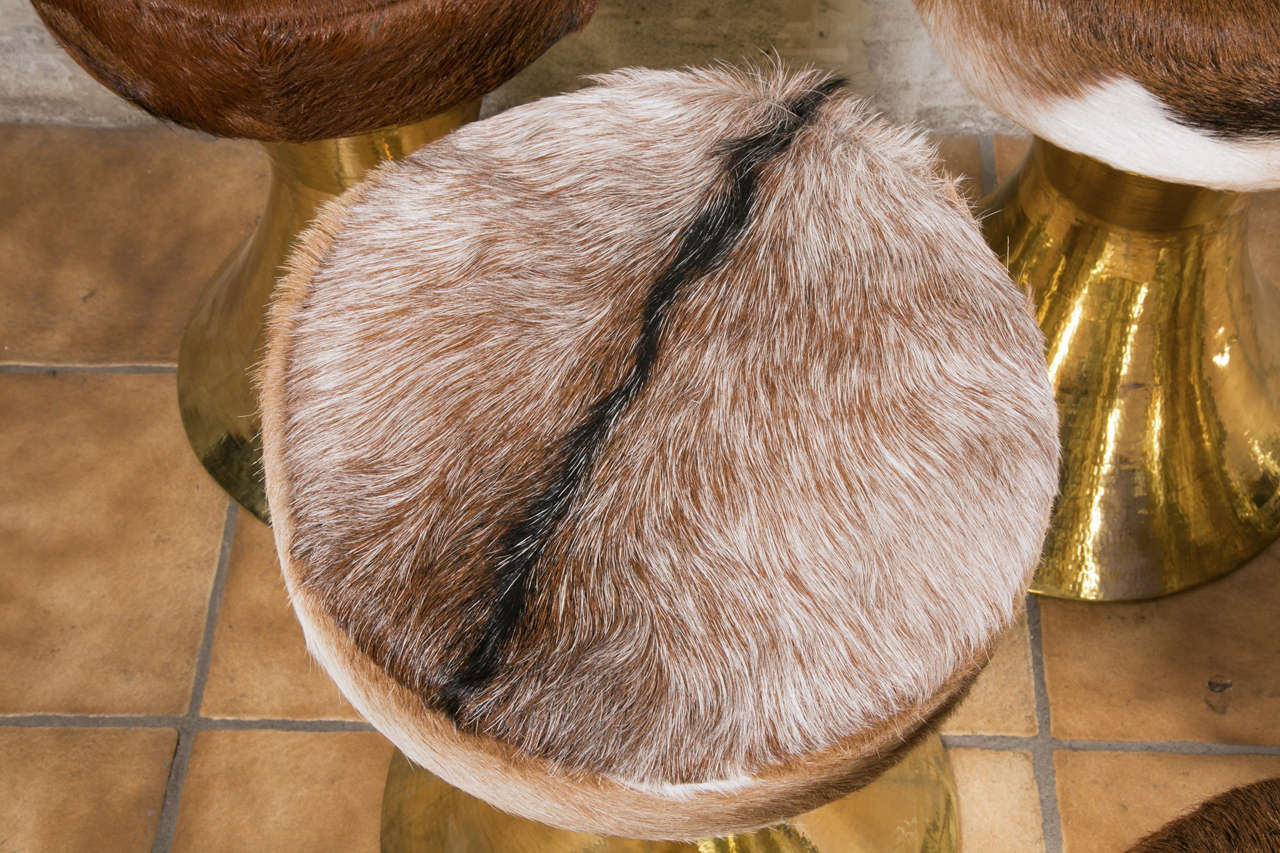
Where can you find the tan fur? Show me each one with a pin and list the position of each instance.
(532, 787)
(304, 71)
(1243, 820)
(799, 542)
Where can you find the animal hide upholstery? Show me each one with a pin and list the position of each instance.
(1243, 820)
(1183, 90)
(660, 458)
(296, 72)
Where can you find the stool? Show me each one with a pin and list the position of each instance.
(1126, 224)
(1242, 820)
(332, 87)
(665, 476)
(910, 807)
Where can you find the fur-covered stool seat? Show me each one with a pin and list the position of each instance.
(1243, 820)
(290, 71)
(665, 475)
(1126, 223)
(331, 87)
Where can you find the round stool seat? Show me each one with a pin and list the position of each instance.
(666, 475)
(1242, 820)
(302, 71)
(1186, 91)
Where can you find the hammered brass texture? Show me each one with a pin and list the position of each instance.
(1164, 353)
(223, 339)
(909, 809)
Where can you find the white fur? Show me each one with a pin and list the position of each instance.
(1125, 126)
(1117, 122)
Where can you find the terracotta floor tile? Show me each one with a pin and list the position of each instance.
(1009, 151)
(1202, 665)
(82, 789)
(962, 158)
(109, 538)
(260, 665)
(998, 801)
(1110, 800)
(107, 236)
(294, 791)
(1002, 700)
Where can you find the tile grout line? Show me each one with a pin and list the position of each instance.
(987, 156)
(211, 616)
(199, 724)
(1042, 744)
(187, 725)
(1173, 747)
(80, 369)
(222, 724)
(1028, 743)
(1003, 743)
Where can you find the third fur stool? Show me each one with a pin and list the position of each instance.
(665, 475)
(1126, 224)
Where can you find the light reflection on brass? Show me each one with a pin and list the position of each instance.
(909, 809)
(223, 338)
(1164, 353)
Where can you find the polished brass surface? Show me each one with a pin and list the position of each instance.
(1164, 352)
(223, 338)
(909, 808)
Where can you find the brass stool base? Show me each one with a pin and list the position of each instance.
(909, 809)
(223, 339)
(1164, 352)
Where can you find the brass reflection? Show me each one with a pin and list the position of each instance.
(1164, 352)
(909, 809)
(223, 338)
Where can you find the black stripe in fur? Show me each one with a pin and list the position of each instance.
(704, 246)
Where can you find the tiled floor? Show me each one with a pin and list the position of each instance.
(155, 691)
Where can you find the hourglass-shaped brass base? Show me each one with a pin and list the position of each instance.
(1164, 352)
(223, 338)
(909, 809)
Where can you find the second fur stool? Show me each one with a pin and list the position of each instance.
(658, 459)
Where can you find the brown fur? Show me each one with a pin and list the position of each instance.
(545, 791)
(1243, 820)
(1214, 63)
(797, 546)
(318, 69)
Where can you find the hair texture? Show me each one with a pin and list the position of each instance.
(1184, 90)
(298, 72)
(657, 459)
(1243, 820)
